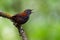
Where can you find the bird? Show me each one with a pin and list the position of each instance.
(18, 19)
(21, 18)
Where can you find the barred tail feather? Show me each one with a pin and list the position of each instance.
(21, 31)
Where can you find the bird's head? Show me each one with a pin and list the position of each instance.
(28, 11)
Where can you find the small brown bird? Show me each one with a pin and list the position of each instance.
(19, 18)
(22, 18)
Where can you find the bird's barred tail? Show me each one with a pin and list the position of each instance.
(5, 15)
(22, 32)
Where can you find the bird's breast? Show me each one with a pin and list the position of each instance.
(24, 19)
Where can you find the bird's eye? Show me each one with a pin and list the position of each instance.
(28, 12)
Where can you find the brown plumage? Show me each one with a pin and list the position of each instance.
(19, 18)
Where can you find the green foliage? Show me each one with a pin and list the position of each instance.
(44, 22)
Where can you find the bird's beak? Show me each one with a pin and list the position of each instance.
(31, 10)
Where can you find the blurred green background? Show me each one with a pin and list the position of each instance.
(44, 22)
